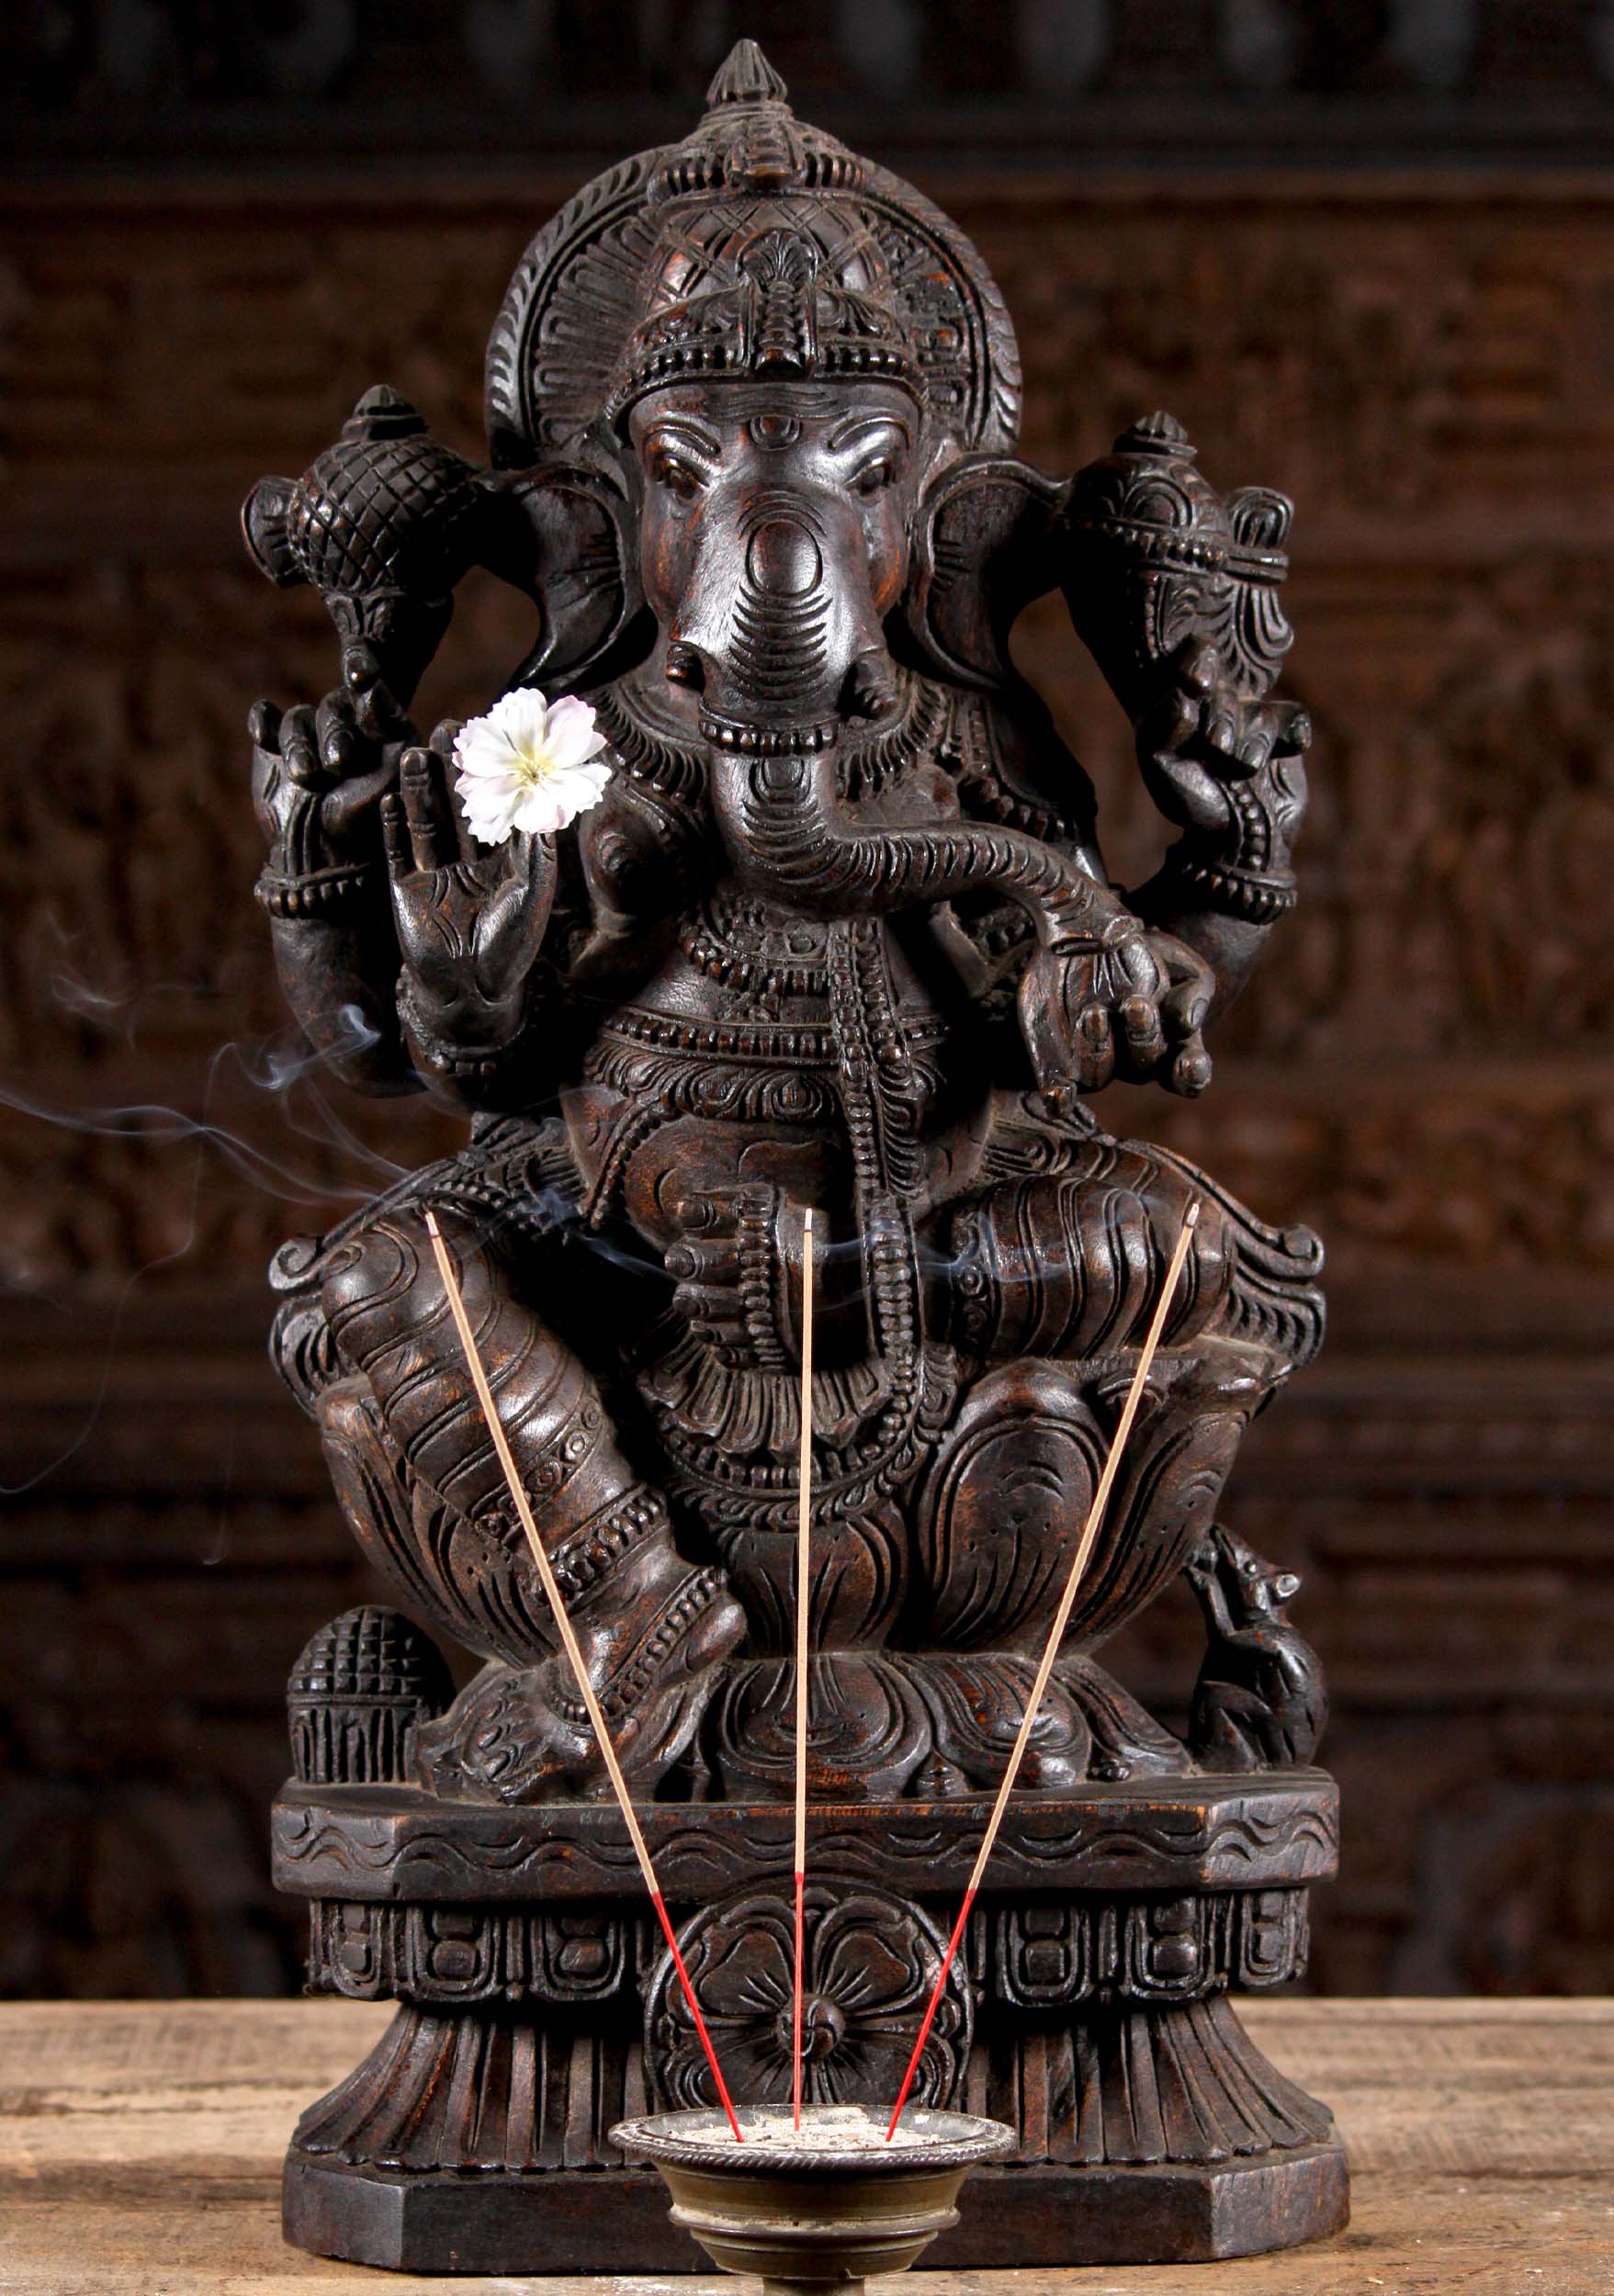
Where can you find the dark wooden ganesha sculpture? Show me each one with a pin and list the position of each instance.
(837, 934)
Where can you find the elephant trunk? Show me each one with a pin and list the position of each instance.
(791, 838)
(779, 631)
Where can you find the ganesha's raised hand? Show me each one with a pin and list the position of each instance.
(469, 929)
(1122, 1003)
(319, 779)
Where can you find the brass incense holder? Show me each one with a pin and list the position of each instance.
(810, 2215)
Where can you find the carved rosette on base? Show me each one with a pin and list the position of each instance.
(836, 933)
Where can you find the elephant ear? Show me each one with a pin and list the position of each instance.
(265, 517)
(983, 552)
(563, 533)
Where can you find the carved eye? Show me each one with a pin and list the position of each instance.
(876, 477)
(681, 481)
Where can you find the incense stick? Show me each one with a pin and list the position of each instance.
(570, 1643)
(1055, 1637)
(802, 1591)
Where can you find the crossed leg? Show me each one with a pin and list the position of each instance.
(651, 1626)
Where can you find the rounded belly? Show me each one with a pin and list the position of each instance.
(705, 1084)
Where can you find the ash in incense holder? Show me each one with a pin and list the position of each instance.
(824, 2204)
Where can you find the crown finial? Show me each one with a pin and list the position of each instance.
(1157, 433)
(746, 76)
(383, 412)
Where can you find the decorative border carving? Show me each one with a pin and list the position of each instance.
(452, 1954)
(397, 1845)
(1048, 1953)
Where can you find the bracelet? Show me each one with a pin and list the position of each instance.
(321, 893)
(473, 1064)
(1256, 895)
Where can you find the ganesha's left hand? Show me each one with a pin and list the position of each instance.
(1127, 1005)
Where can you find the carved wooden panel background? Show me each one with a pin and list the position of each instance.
(1426, 1070)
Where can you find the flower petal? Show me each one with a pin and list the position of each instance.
(539, 812)
(479, 749)
(559, 797)
(585, 784)
(490, 815)
(494, 777)
(521, 716)
(572, 734)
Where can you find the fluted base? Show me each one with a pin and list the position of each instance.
(475, 2141)
(480, 2093)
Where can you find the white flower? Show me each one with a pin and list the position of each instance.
(529, 765)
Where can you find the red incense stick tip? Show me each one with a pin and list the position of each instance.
(796, 2013)
(671, 1935)
(931, 2006)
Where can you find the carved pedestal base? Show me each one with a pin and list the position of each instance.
(473, 2142)
(578, 2221)
(1091, 2010)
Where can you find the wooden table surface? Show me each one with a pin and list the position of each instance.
(139, 2154)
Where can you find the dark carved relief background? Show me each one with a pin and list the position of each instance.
(1424, 359)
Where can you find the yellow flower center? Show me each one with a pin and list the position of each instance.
(535, 763)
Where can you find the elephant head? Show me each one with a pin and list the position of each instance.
(773, 544)
(782, 519)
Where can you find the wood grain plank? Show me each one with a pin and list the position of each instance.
(139, 2151)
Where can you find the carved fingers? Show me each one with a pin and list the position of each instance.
(289, 785)
(427, 823)
(431, 913)
(734, 1271)
(299, 748)
(263, 726)
(1144, 1032)
(1250, 735)
(1228, 771)
(318, 780)
(1202, 736)
(707, 1294)
(1183, 1011)
(1294, 737)
(1133, 1010)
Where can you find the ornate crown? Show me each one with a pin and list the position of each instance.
(759, 245)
